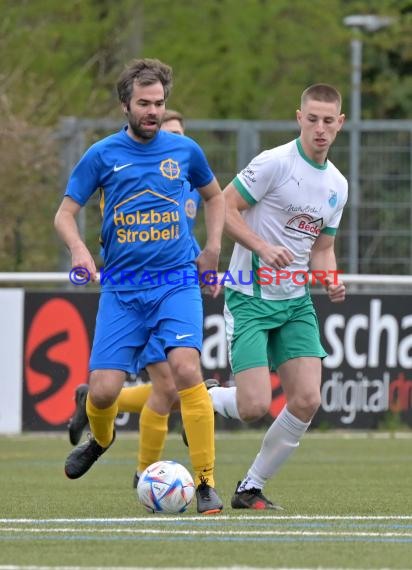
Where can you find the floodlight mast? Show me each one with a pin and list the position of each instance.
(358, 23)
(368, 22)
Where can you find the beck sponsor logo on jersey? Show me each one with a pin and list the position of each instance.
(304, 224)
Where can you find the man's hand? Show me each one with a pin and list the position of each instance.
(81, 257)
(275, 256)
(213, 290)
(337, 292)
(207, 261)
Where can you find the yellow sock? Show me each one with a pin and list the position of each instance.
(199, 423)
(134, 398)
(101, 422)
(153, 431)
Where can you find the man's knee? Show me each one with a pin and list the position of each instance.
(167, 392)
(104, 389)
(170, 393)
(186, 373)
(305, 406)
(251, 410)
(102, 397)
(183, 369)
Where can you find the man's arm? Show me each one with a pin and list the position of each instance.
(67, 229)
(323, 259)
(275, 256)
(214, 214)
(214, 205)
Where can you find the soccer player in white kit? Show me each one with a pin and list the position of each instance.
(283, 211)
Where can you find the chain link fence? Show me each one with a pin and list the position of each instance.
(375, 234)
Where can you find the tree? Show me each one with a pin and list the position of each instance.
(247, 59)
(387, 60)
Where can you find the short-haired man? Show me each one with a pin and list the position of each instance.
(148, 286)
(283, 210)
(152, 405)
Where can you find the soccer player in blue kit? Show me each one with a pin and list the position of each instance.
(149, 284)
(152, 406)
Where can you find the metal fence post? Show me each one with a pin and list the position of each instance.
(72, 144)
(248, 143)
(354, 150)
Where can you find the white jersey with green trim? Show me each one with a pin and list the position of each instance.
(293, 199)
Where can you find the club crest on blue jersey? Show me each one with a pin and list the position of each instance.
(333, 198)
(190, 208)
(170, 169)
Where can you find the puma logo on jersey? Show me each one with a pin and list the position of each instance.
(296, 180)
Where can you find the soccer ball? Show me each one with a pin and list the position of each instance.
(166, 487)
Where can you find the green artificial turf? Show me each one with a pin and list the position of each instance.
(330, 475)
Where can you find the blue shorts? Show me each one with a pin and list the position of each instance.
(152, 353)
(127, 320)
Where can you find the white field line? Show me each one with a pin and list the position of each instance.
(15, 567)
(172, 532)
(188, 519)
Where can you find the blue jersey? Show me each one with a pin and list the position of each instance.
(144, 228)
